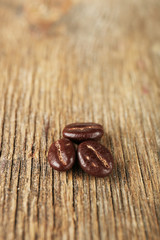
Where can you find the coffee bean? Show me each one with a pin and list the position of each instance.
(61, 155)
(79, 132)
(95, 159)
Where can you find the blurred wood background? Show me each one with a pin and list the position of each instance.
(82, 60)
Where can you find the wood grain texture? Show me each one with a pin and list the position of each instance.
(99, 62)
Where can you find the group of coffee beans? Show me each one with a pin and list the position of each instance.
(93, 157)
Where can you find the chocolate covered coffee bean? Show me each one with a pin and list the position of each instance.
(95, 159)
(61, 155)
(79, 132)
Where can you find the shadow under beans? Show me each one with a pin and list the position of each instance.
(77, 171)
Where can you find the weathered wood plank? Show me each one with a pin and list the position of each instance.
(97, 62)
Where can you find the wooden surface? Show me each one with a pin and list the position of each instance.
(98, 61)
